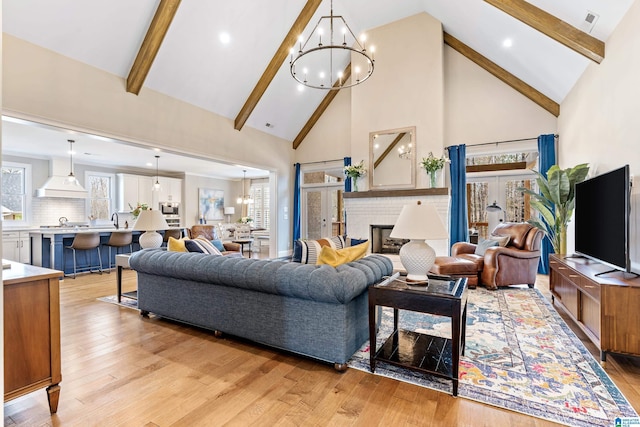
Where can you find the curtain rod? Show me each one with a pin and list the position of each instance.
(321, 161)
(509, 140)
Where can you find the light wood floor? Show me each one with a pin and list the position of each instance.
(121, 369)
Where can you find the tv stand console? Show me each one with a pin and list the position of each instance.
(606, 309)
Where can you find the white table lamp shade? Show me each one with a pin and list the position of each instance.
(229, 210)
(418, 222)
(150, 221)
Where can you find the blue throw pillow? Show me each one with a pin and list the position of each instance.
(218, 244)
(483, 245)
(354, 242)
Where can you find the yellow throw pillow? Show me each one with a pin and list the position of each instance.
(176, 245)
(336, 257)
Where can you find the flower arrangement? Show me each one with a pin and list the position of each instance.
(245, 220)
(139, 207)
(433, 164)
(355, 171)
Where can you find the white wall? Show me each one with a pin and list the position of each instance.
(192, 183)
(481, 108)
(406, 88)
(599, 121)
(43, 86)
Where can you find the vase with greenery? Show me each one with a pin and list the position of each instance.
(556, 202)
(354, 172)
(432, 165)
(139, 207)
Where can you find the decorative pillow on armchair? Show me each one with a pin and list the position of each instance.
(502, 240)
(483, 245)
(307, 251)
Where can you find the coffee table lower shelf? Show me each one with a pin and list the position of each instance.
(417, 351)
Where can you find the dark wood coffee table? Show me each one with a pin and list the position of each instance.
(426, 353)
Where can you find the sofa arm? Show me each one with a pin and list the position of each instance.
(462, 248)
(230, 246)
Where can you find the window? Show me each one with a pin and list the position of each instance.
(16, 185)
(494, 177)
(100, 188)
(259, 209)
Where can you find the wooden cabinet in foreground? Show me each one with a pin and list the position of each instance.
(606, 307)
(31, 331)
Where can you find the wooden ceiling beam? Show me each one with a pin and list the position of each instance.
(321, 108)
(274, 65)
(538, 97)
(151, 44)
(553, 27)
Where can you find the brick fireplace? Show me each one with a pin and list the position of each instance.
(381, 208)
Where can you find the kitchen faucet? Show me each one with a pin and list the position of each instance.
(116, 221)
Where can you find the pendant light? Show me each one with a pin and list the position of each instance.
(244, 199)
(71, 178)
(156, 185)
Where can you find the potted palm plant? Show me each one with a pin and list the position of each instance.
(556, 202)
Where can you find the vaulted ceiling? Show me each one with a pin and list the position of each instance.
(180, 52)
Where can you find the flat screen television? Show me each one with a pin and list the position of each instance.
(602, 218)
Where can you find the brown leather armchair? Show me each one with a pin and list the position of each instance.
(514, 264)
(210, 232)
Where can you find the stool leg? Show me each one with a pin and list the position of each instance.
(74, 263)
(110, 265)
(99, 260)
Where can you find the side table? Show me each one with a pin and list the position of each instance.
(243, 242)
(430, 354)
(122, 261)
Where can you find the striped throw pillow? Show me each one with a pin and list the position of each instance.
(307, 251)
(201, 245)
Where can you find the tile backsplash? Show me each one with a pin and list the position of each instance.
(47, 210)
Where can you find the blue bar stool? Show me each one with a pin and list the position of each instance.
(86, 242)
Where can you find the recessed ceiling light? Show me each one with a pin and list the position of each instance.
(507, 43)
(149, 164)
(225, 38)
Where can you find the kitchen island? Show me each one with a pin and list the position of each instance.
(48, 246)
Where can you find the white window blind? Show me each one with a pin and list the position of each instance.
(259, 209)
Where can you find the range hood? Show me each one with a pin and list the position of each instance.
(58, 184)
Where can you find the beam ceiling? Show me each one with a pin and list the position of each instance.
(553, 27)
(508, 78)
(151, 44)
(278, 58)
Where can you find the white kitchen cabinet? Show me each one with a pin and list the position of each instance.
(134, 189)
(170, 190)
(16, 246)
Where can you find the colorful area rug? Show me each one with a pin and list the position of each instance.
(125, 301)
(520, 355)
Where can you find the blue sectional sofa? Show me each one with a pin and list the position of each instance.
(314, 310)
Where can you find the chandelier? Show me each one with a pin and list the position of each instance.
(313, 66)
(405, 152)
(244, 199)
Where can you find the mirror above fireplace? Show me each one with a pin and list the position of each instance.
(392, 158)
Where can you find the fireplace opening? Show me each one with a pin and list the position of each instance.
(381, 243)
